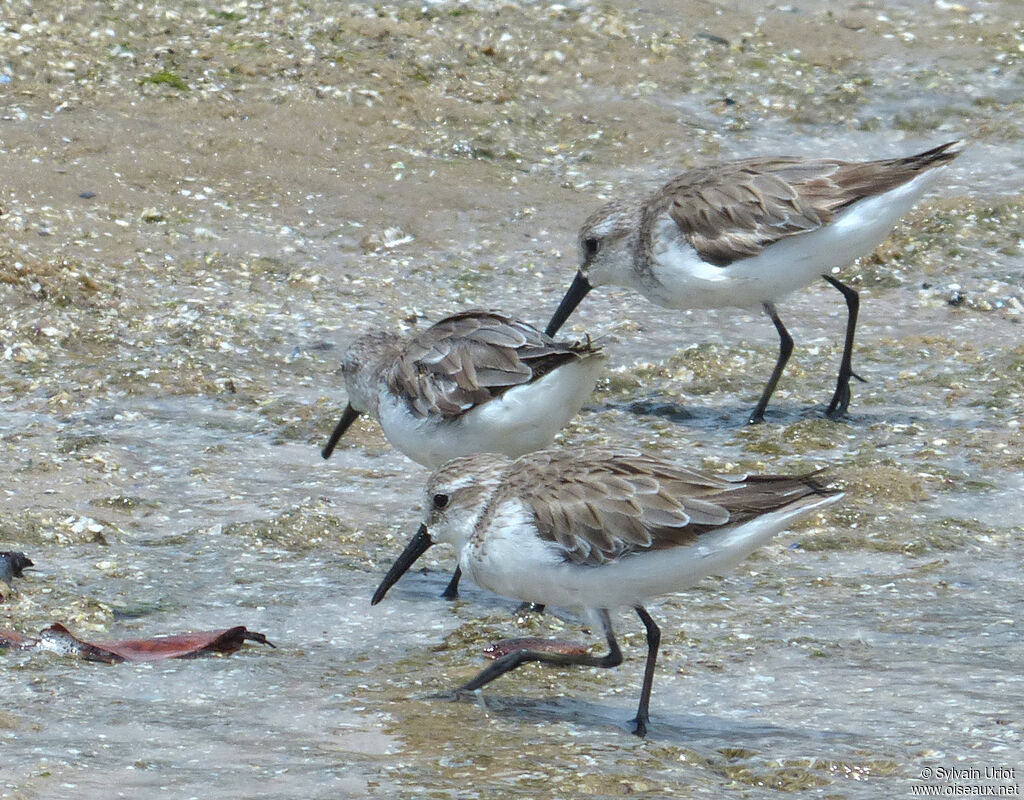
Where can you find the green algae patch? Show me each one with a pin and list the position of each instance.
(856, 529)
(470, 638)
(293, 420)
(948, 237)
(710, 368)
(63, 281)
(784, 778)
(750, 768)
(946, 535)
(619, 382)
(126, 504)
(314, 527)
(880, 482)
(30, 527)
(810, 436)
(165, 77)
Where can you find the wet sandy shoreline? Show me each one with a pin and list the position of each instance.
(168, 370)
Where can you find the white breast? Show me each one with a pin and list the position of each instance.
(523, 419)
(506, 555)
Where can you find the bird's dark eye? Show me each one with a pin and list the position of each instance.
(441, 500)
(590, 246)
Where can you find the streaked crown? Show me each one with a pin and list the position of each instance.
(364, 364)
(458, 493)
(608, 241)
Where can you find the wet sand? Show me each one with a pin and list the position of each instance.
(201, 206)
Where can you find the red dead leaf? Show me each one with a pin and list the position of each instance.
(16, 641)
(506, 646)
(58, 639)
(185, 645)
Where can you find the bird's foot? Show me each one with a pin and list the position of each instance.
(640, 723)
(841, 397)
(451, 591)
(451, 695)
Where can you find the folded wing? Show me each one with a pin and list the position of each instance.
(474, 356)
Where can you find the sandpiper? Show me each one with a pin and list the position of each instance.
(477, 381)
(746, 233)
(598, 528)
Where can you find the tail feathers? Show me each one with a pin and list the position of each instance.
(935, 157)
(776, 491)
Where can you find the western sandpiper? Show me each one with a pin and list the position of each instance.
(746, 233)
(598, 528)
(477, 381)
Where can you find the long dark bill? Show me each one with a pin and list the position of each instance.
(420, 543)
(577, 291)
(347, 418)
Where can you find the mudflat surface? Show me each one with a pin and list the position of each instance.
(202, 205)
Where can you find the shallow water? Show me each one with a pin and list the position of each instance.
(168, 372)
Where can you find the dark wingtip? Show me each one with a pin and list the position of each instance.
(349, 416)
(938, 156)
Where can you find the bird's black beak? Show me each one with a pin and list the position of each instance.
(577, 291)
(420, 543)
(350, 416)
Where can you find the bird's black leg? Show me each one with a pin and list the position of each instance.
(517, 658)
(841, 397)
(785, 349)
(653, 641)
(451, 591)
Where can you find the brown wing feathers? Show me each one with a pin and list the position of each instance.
(735, 210)
(625, 502)
(472, 357)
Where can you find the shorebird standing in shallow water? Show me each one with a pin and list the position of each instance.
(477, 381)
(747, 233)
(598, 528)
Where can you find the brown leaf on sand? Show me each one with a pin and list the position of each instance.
(12, 640)
(58, 639)
(506, 646)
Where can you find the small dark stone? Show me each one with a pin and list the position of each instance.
(12, 563)
(711, 38)
(87, 195)
(956, 299)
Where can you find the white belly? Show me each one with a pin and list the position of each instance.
(523, 419)
(511, 560)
